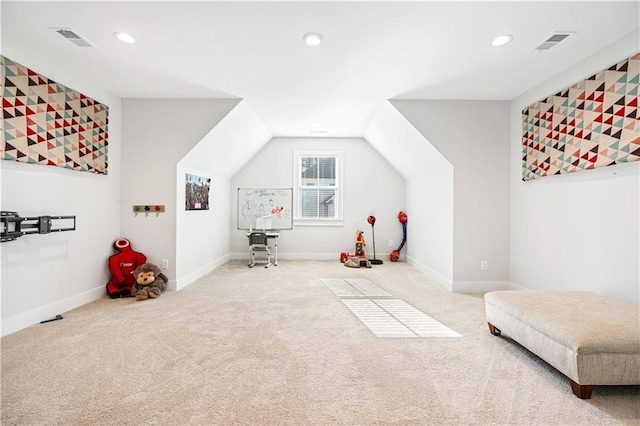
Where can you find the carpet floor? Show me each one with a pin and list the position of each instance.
(280, 346)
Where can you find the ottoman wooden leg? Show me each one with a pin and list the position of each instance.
(493, 329)
(581, 391)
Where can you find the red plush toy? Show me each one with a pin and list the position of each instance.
(122, 266)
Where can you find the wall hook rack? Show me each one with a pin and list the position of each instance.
(146, 209)
(14, 226)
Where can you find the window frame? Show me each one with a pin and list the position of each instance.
(337, 220)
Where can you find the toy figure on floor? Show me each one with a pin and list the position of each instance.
(359, 258)
(360, 243)
(122, 265)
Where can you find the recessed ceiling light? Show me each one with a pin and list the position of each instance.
(312, 39)
(501, 40)
(124, 37)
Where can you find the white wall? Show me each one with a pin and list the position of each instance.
(579, 231)
(46, 275)
(371, 185)
(474, 137)
(430, 223)
(157, 134)
(203, 236)
(429, 192)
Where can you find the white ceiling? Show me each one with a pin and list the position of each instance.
(372, 51)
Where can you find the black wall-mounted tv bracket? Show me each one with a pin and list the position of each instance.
(14, 226)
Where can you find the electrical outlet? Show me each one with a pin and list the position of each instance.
(484, 265)
(165, 263)
(390, 243)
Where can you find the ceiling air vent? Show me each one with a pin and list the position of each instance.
(74, 37)
(551, 41)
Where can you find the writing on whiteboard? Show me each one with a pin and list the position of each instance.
(272, 204)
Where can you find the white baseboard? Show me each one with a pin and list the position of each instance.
(303, 256)
(513, 286)
(290, 256)
(479, 286)
(309, 256)
(192, 277)
(442, 281)
(26, 319)
(457, 286)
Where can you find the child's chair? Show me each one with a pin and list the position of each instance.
(258, 244)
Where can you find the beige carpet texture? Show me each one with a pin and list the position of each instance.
(301, 343)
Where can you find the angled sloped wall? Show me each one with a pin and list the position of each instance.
(203, 236)
(429, 192)
(473, 136)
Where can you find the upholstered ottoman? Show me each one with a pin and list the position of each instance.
(591, 339)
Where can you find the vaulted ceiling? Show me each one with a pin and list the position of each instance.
(371, 51)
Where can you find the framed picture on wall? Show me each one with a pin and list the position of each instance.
(197, 192)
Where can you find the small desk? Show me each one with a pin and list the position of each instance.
(270, 235)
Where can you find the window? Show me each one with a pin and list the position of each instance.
(318, 186)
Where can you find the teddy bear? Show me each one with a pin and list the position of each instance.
(150, 282)
(121, 266)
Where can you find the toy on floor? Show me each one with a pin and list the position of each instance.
(360, 243)
(122, 265)
(395, 254)
(372, 222)
(359, 258)
(150, 282)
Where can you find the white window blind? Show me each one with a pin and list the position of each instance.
(318, 185)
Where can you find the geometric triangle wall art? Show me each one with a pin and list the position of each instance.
(594, 123)
(44, 122)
